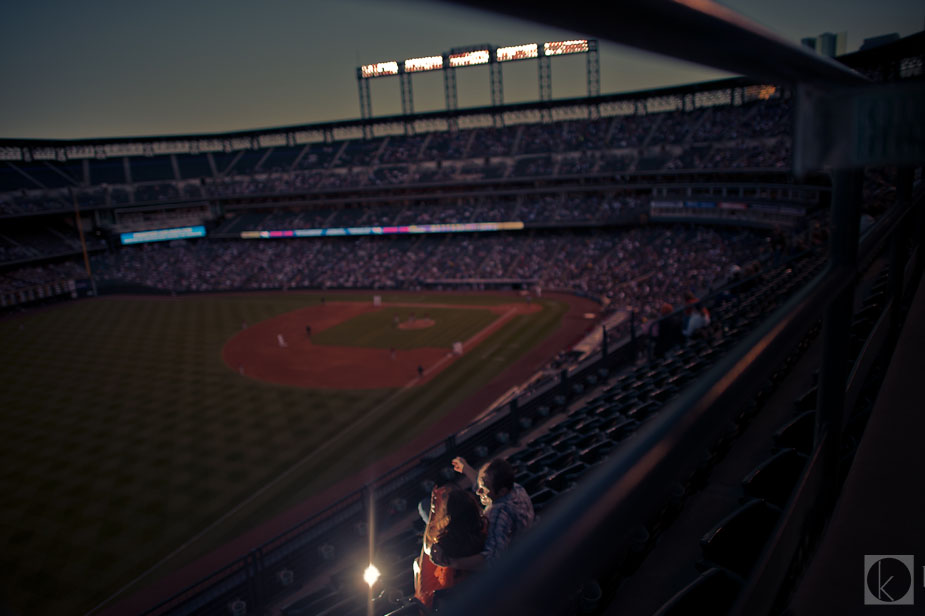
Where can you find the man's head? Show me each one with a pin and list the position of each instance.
(496, 478)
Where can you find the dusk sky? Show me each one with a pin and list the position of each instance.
(116, 68)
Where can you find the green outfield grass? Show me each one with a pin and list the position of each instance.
(379, 330)
(125, 435)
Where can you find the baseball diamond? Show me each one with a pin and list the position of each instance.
(347, 352)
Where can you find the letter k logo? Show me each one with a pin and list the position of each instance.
(888, 580)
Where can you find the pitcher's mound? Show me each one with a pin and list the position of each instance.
(417, 324)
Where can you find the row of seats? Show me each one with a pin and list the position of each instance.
(731, 549)
(553, 462)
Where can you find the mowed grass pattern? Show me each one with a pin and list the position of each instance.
(124, 435)
(379, 329)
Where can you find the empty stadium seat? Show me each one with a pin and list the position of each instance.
(621, 429)
(541, 498)
(566, 478)
(642, 411)
(775, 479)
(736, 542)
(798, 433)
(542, 463)
(532, 482)
(313, 603)
(595, 453)
(713, 592)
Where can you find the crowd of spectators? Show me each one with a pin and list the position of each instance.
(540, 139)
(735, 136)
(32, 202)
(636, 269)
(26, 277)
(533, 166)
(165, 191)
(403, 149)
(447, 145)
(580, 164)
(584, 135)
(771, 153)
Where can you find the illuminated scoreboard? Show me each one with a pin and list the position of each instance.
(380, 69)
(470, 58)
(518, 52)
(430, 63)
(560, 48)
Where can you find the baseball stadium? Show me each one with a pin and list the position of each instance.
(236, 365)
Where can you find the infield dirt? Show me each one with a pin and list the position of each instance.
(256, 351)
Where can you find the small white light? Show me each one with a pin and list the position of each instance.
(371, 575)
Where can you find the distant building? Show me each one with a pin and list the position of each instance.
(832, 45)
(877, 41)
(827, 43)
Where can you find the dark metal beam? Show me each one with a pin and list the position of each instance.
(698, 31)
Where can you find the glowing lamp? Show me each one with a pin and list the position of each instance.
(371, 575)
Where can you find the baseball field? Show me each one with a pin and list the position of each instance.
(140, 433)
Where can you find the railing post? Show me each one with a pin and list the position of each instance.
(898, 249)
(843, 252)
(450, 444)
(516, 416)
(916, 224)
(252, 567)
(633, 343)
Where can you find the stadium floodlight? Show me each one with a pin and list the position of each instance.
(518, 52)
(430, 63)
(380, 69)
(470, 58)
(559, 48)
(371, 575)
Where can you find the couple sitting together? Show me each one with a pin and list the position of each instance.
(460, 535)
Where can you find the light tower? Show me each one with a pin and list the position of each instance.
(476, 55)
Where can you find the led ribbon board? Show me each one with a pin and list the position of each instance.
(465, 227)
(162, 235)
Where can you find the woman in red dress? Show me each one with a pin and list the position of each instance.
(456, 528)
